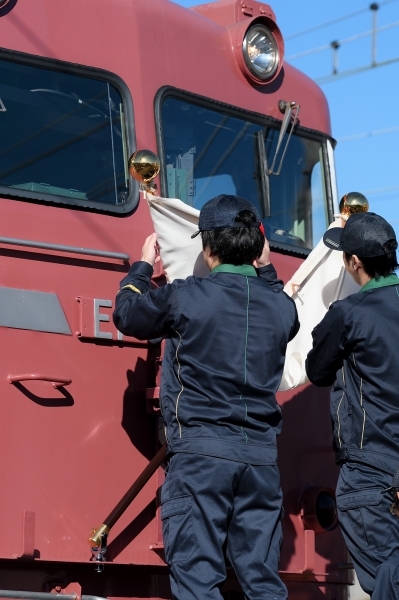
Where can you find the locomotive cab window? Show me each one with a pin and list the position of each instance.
(207, 152)
(63, 138)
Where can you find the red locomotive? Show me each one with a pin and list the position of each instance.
(82, 86)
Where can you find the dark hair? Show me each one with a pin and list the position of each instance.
(380, 266)
(236, 245)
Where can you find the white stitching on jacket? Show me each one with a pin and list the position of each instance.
(339, 406)
(361, 404)
(339, 422)
(182, 386)
(364, 412)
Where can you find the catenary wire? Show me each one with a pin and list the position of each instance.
(337, 20)
(351, 72)
(352, 38)
(384, 190)
(365, 134)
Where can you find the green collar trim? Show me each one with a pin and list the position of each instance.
(381, 282)
(247, 270)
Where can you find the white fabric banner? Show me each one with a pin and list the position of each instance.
(174, 223)
(319, 281)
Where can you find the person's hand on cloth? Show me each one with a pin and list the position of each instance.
(150, 250)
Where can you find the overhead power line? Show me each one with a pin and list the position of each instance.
(333, 21)
(352, 38)
(336, 45)
(383, 190)
(365, 134)
(351, 72)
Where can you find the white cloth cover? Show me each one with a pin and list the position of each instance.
(319, 281)
(174, 223)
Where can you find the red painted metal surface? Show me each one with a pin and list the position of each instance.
(68, 455)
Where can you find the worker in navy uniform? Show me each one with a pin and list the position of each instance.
(356, 348)
(226, 339)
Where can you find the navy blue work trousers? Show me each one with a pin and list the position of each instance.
(212, 507)
(371, 533)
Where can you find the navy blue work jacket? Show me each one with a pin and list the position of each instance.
(226, 340)
(356, 348)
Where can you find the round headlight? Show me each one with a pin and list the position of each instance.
(326, 510)
(260, 52)
(318, 509)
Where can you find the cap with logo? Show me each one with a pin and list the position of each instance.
(222, 211)
(365, 235)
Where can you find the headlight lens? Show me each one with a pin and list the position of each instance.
(326, 511)
(260, 52)
(318, 509)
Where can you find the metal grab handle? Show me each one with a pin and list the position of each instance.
(44, 596)
(56, 381)
(63, 248)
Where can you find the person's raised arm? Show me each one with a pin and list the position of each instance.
(266, 269)
(331, 339)
(139, 311)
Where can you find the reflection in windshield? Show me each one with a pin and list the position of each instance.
(208, 153)
(62, 135)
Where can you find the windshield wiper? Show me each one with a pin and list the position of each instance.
(287, 108)
(263, 172)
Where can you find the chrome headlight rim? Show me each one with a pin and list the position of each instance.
(270, 72)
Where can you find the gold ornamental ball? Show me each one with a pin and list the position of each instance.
(144, 166)
(354, 202)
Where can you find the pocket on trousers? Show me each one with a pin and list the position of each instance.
(364, 515)
(177, 527)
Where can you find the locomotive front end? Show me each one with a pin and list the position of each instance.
(82, 88)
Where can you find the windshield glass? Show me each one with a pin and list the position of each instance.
(62, 135)
(207, 153)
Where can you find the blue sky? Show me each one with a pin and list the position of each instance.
(362, 106)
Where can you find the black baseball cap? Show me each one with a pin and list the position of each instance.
(221, 213)
(365, 234)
